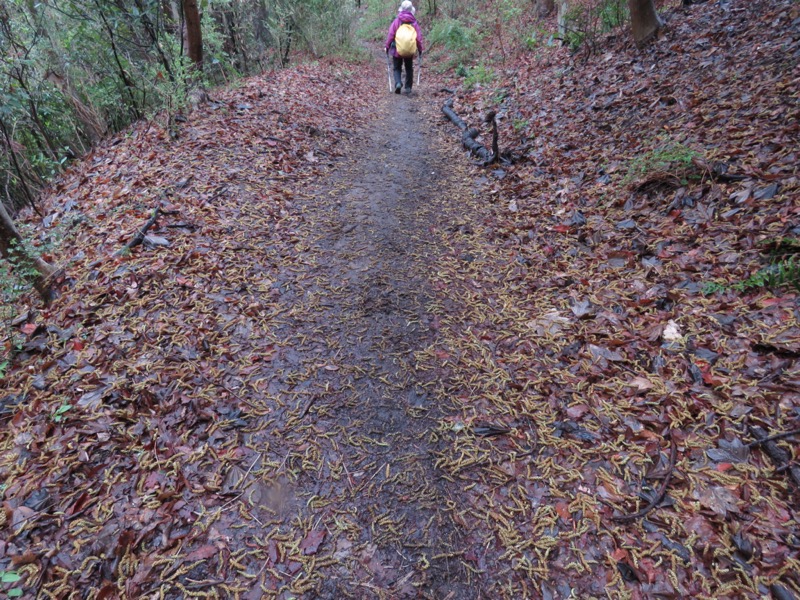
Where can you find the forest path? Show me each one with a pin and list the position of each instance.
(348, 444)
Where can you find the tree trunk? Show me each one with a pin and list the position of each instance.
(544, 7)
(193, 32)
(32, 268)
(644, 20)
(261, 29)
(563, 7)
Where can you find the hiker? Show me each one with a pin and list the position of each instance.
(403, 42)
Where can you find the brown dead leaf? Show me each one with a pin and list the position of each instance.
(312, 541)
(720, 500)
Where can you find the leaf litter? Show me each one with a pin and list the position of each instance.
(592, 396)
(275, 406)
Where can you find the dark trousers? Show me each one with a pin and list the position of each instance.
(398, 67)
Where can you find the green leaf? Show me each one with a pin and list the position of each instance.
(15, 593)
(9, 577)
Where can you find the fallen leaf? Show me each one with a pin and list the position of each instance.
(641, 383)
(312, 541)
(202, 553)
(719, 499)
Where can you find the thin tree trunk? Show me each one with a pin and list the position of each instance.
(32, 268)
(285, 51)
(152, 32)
(20, 174)
(644, 20)
(126, 80)
(193, 32)
(261, 30)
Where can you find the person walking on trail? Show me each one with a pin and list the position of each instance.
(402, 43)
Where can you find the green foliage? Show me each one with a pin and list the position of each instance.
(613, 13)
(519, 125)
(60, 413)
(11, 577)
(782, 271)
(16, 275)
(668, 156)
(14, 283)
(779, 274)
(74, 70)
(374, 24)
(478, 75)
(458, 40)
(537, 38)
(323, 27)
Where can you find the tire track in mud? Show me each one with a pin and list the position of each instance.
(343, 498)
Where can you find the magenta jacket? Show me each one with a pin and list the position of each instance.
(403, 17)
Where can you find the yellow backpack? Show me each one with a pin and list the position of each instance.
(405, 40)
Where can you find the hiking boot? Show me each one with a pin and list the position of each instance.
(397, 88)
(408, 91)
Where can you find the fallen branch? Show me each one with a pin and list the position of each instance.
(491, 119)
(662, 490)
(468, 134)
(780, 457)
(141, 233)
(772, 438)
(448, 111)
(191, 226)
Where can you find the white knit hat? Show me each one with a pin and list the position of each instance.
(407, 6)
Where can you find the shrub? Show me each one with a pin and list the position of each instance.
(460, 41)
(478, 75)
(584, 22)
(669, 161)
(783, 270)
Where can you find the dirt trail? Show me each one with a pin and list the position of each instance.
(346, 449)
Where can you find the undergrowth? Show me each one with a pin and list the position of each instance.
(782, 271)
(479, 75)
(457, 39)
(13, 285)
(16, 275)
(669, 158)
(584, 22)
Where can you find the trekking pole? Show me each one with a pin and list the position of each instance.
(389, 71)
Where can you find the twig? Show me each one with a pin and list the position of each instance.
(779, 456)
(181, 226)
(662, 490)
(772, 438)
(308, 406)
(139, 237)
